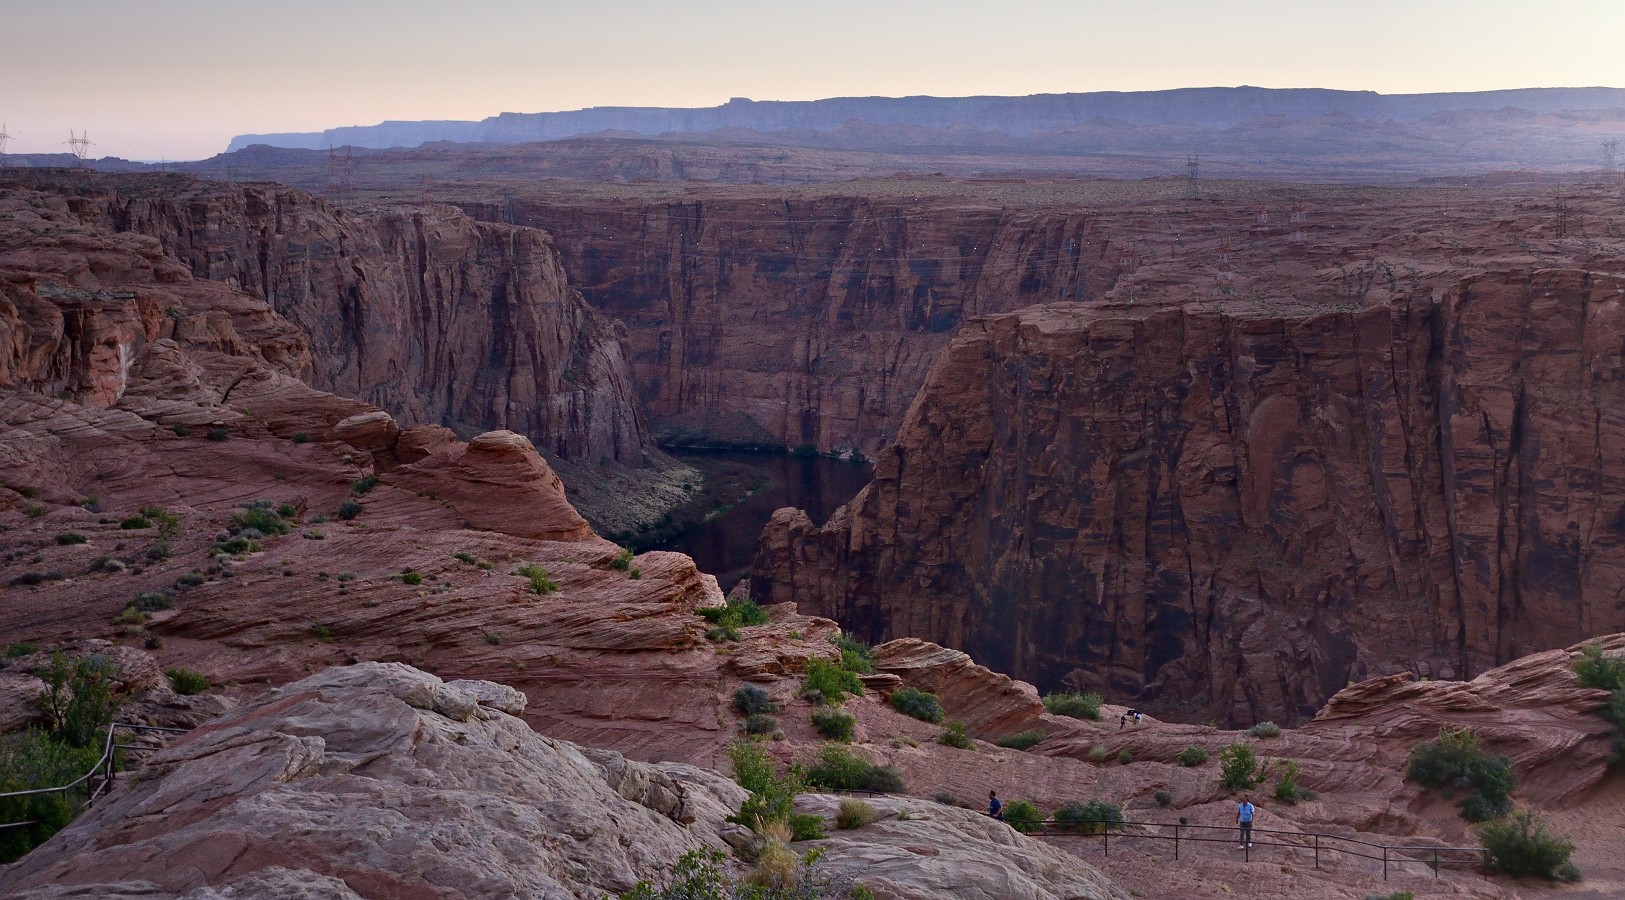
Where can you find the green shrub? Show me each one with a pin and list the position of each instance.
(622, 561)
(21, 649)
(1022, 741)
(854, 813)
(1024, 816)
(635, 574)
(1163, 797)
(885, 780)
(218, 434)
(261, 516)
(238, 546)
(540, 583)
(189, 580)
(806, 827)
(1287, 789)
(349, 510)
(1192, 756)
(751, 700)
(954, 736)
(1596, 669)
(734, 614)
(839, 769)
(1519, 845)
(300, 437)
(1265, 730)
(1098, 753)
(831, 682)
(361, 486)
(135, 523)
(1456, 762)
(771, 794)
(917, 704)
(722, 633)
(945, 798)
(180, 430)
(131, 616)
(321, 632)
(411, 578)
(187, 682)
(1087, 818)
(152, 601)
(34, 759)
(67, 538)
(1075, 705)
(78, 699)
(33, 510)
(1238, 768)
(760, 723)
(1392, 895)
(834, 724)
(854, 654)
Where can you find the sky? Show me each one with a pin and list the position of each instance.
(175, 79)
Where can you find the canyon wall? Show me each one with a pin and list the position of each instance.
(806, 321)
(1230, 511)
(422, 311)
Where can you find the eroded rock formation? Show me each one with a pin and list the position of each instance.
(1232, 510)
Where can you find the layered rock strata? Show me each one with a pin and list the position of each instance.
(1232, 510)
(806, 321)
(420, 311)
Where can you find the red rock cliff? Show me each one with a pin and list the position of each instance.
(1231, 512)
(807, 321)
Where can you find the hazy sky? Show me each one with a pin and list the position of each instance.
(176, 79)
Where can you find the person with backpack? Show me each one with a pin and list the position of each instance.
(995, 809)
(1244, 818)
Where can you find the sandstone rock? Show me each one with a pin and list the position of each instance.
(374, 431)
(991, 705)
(1232, 510)
(942, 851)
(498, 464)
(420, 441)
(348, 776)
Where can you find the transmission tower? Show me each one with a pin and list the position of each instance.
(80, 144)
(1191, 164)
(4, 137)
(340, 174)
(1562, 218)
(1610, 154)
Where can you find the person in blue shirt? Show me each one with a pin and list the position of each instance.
(994, 807)
(1244, 818)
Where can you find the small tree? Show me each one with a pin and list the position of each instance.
(1075, 705)
(918, 704)
(1238, 768)
(1088, 818)
(1520, 845)
(1024, 816)
(78, 697)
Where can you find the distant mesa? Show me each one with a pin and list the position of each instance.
(1016, 116)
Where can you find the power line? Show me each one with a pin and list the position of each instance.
(80, 144)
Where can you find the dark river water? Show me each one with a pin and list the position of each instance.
(724, 544)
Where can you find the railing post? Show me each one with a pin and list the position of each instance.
(1435, 862)
(1108, 833)
(1176, 841)
(1385, 862)
(1317, 850)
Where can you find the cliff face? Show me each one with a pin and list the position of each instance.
(423, 312)
(1231, 512)
(813, 321)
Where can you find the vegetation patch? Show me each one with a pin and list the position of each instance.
(841, 769)
(1192, 756)
(135, 523)
(362, 486)
(854, 813)
(954, 736)
(1022, 741)
(1024, 816)
(827, 683)
(349, 510)
(733, 615)
(1238, 768)
(1075, 705)
(186, 682)
(854, 654)
(1519, 845)
(1265, 730)
(760, 723)
(1596, 669)
(917, 704)
(1457, 764)
(540, 581)
(752, 699)
(834, 724)
(1287, 789)
(68, 538)
(1093, 817)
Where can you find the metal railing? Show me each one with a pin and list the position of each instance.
(100, 776)
(1316, 843)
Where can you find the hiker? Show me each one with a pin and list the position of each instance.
(994, 807)
(1121, 719)
(1139, 718)
(1244, 818)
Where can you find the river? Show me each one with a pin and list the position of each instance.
(725, 542)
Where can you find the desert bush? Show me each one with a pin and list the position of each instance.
(187, 682)
(1192, 756)
(1075, 705)
(218, 434)
(854, 813)
(1163, 797)
(29, 579)
(300, 437)
(1098, 753)
(21, 649)
(411, 578)
(540, 583)
(954, 736)
(841, 769)
(152, 601)
(1265, 730)
(1238, 768)
(834, 724)
(760, 723)
(1287, 789)
(180, 430)
(751, 699)
(34, 759)
(1520, 845)
(135, 523)
(917, 704)
(738, 612)
(945, 798)
(1024, 816)
(830, 681)
(78, 699)
(1125, 756)
(854, 654)
(771, 794)
(1022, 741)
(622, 561)
(68, 538)
(1596, 669)
(261, 516)
(806, 827)
(1087, 818)
(349, 510)
(362, 486)
(1456, 762)
(321, 632)
(131, 616)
